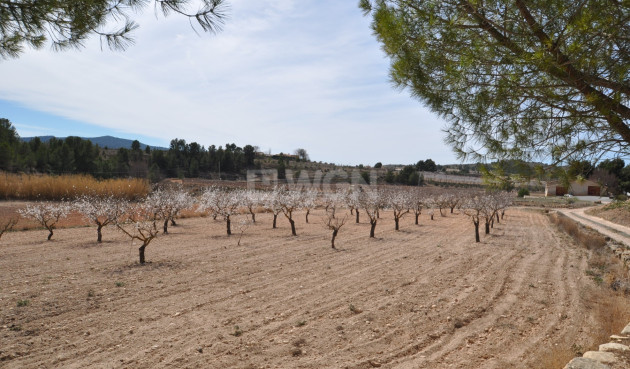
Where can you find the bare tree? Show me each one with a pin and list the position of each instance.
(167, 203)
(272, 204)
(452, 200)
(474, 207)
(243, 225)
(251, 199)
(139, 224)
(100, 211)
(7, 225)
(352, 202)
(399, 202)
(371, 202)
(417, 203)
(222, 202)
(46, 214)
(290, 201)
(334, 224)
(309, 201)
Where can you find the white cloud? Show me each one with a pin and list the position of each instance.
(282, 75)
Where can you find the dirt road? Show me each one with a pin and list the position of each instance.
(424, 297)
(615, 231)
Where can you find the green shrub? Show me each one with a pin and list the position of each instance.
(523, 192)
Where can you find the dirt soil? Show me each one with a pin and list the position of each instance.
(424, 297)
(619, 215)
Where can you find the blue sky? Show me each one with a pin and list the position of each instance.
(282, 75)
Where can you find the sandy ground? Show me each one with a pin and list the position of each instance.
(424, 297)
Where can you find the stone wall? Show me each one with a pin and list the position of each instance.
(612, 355)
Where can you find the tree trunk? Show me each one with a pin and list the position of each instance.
(275, 217)
(417, 216)
(452, 208)
(334, 235)
(308, 211)
(229, 223)
(165, 227)
(99, 234)
(502, 213)
(357, 215)
(253, 216)
(397, 220)
(487, 227)
(497, 216)
(51, 233)
(141, 252)
(351, 211)
(372, 228)
(476, 231)
(441, 214)
(173, 222)
(378, 214)
(431, 216)
(292, 227)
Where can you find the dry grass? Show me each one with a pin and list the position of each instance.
(586, 238)
(45, 187)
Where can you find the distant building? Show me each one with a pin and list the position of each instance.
(576, 188)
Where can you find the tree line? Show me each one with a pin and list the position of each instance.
(74, 155)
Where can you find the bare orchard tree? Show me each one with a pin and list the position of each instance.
(309, 200)
(139, 224)
(167, 203)
(416, 203)
(333, 201)
(242, 226)
(452, 200)
(271, 202)
(252, 199)
(334, 224)
(441, 202)
(100, 211)
(371, 201)
(222, 202)
(475, 207)
(7, 225)
(429, 203)
(399, 202)
(46, 214)
(290, 201)
(352, 202)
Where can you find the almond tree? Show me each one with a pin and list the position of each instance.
(251, 199)
(441, 201)
(139, 224)
(46, 214)
(8, 225)
(290, 201)
(309, 200)
(399, 202)
(167, 203)
(100, 211)
(272, 204)
(352, 202)
(474, 207)
(417, 204)
(371, 202)
(334, 224)
(222, 202)
(452, 201)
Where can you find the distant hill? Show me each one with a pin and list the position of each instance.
(103, 141)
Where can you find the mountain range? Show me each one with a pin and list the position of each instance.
(103, 141)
